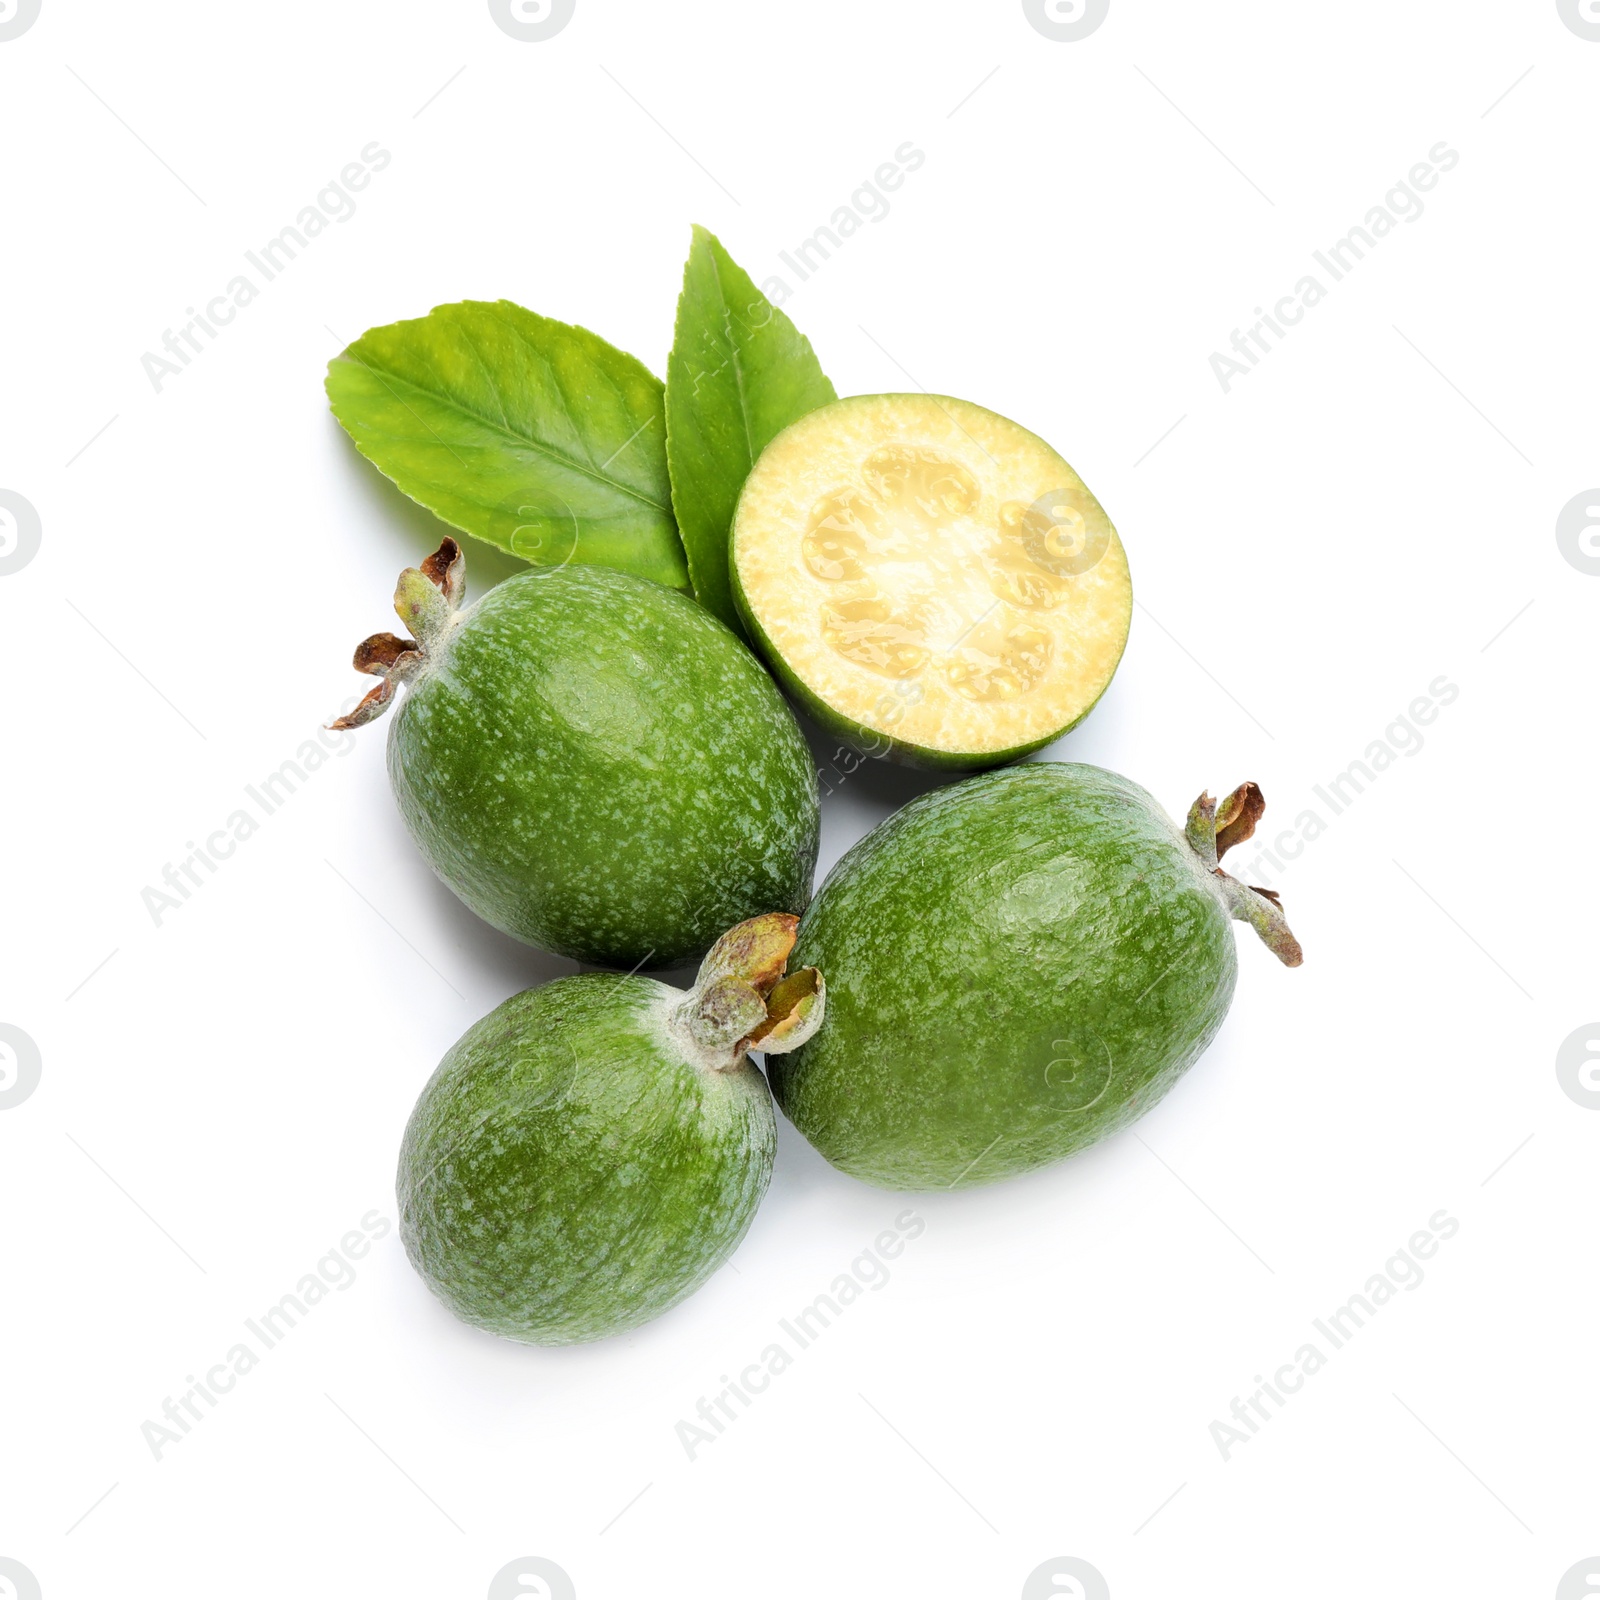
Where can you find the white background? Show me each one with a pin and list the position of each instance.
(1373, 507)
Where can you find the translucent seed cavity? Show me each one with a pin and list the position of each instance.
(1030, 590)
(1011, 515)
(1052, 533)
(1011, 667)
(841, 527)
(867, 632)
(902, 528)
(908, 476)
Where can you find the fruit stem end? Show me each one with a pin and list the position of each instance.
(741, 1000)
(1212, 831)
(428, 600)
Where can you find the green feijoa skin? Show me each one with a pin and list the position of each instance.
(592, 762)
(1018, 965)
(592, 1151)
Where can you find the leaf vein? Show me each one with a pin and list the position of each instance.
(538, 446)
(738, 378)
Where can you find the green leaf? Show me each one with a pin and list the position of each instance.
(740, 372)
(534, 435)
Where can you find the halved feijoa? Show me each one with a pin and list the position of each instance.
(930, 580)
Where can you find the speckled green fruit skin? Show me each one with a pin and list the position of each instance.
(571, 1171)
(597, 766)
(1018, 965)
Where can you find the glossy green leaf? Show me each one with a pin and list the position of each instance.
(535, 435)
(739, 373)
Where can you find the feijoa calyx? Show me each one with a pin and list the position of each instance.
(588, 1154)
(929, 580)
(593, 762)
(1018, 965)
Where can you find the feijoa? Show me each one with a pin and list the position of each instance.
(593, 762)
(1018, 965)
(589, 1153)
(929, 580)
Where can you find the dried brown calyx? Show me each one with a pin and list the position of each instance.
(741, 1000)
(1212, 831)
(428, 600)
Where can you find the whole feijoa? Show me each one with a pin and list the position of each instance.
(589, 1153)
(593, 762)
(1018, 965)
(929, 580)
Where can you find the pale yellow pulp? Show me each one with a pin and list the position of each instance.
(933, 572)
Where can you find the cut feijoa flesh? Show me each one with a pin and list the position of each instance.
(930, 580)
